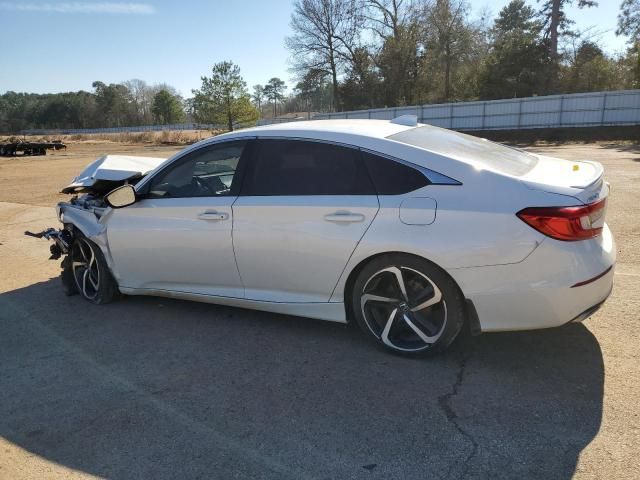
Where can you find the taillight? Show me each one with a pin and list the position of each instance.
(567, 223)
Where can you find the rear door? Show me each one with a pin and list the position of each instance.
(303, 208)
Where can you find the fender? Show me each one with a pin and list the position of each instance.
(91, 223)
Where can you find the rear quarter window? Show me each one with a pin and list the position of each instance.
(474, 150)
(391, 177)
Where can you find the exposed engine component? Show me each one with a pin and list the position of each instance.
(88, 201)
(62, 240)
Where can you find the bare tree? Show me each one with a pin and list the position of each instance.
(325, 37)
(142, 97)
(387, 17)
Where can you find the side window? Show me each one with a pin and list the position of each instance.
(207, 172)
(393, 178)
(297, 167)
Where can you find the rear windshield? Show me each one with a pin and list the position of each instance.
(468, 148)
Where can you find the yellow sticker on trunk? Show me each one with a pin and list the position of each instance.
(576, 168)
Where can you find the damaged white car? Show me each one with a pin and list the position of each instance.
(410, 230)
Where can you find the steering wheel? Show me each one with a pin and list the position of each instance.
(202, 187)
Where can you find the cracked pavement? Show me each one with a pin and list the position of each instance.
(159, 388)
(445, 404)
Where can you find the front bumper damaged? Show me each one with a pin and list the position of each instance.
(62, 240)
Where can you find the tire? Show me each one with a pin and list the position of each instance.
(423, 316)
(90, 272)
(66, 276)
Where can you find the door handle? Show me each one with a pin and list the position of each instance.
(213, 215)
(343, 216)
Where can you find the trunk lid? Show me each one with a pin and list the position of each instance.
(581, 179)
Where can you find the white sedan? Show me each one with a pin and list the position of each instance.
(410, 230)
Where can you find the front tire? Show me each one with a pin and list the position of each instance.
(90, 272)
(407, 304)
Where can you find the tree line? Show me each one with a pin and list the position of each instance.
(384, 53)
(129, 103)
(355, 54)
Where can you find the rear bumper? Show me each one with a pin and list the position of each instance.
(558, 283)
(589, 311)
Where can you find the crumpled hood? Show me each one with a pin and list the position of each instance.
(110, 170)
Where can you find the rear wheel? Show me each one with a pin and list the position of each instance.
(90, 272)
(408, 304)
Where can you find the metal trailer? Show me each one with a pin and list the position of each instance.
(12, 149)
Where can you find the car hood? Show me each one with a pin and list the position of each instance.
(109, 171)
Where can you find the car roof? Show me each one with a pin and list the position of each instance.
(321, 128)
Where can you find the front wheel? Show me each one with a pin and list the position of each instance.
(408, 304)
(90, 272)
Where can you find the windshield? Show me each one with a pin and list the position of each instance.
(468, 148)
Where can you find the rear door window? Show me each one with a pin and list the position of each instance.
(300, 167)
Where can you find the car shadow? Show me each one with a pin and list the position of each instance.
(158, 388)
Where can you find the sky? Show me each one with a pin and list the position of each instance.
(55, 46)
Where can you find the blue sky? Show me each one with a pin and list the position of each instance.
(54, 46)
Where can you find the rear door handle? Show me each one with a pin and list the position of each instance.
(344, 217)
(213, 215)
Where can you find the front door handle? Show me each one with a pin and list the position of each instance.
(344, 216)
(213, 215)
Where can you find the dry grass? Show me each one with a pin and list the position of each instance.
(165, 137)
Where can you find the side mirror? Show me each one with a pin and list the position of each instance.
(122, 196)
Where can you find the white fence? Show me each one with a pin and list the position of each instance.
(555, 111)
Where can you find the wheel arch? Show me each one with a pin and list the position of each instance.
(472, 321)
(82, 220)
(92, 230)
(355, 271)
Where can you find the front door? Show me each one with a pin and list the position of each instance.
(178, 236)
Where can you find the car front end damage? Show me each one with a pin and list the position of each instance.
(85, 213)
(82, 216)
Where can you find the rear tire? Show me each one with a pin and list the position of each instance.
(407, 304)
(90, 272)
